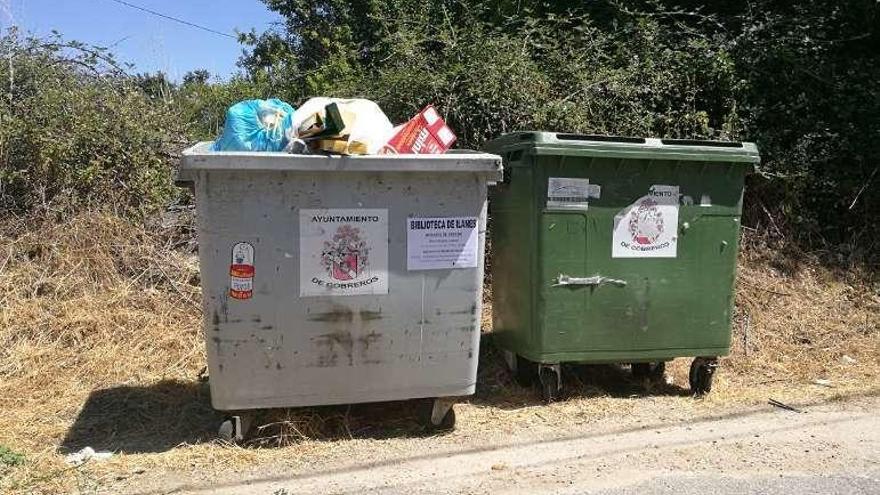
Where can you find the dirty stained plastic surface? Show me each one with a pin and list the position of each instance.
(559, 292)
(273, 347)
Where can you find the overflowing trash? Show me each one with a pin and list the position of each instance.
(256, 125)
(426, 133)
(324, 125)
(347, 127)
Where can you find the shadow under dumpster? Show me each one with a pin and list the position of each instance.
(375, 420)
(496, 386)
(159, 417)
(140, 419)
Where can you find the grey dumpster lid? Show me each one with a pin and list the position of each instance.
(553, 143)
(200, 157)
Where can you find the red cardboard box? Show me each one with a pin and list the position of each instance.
(424, 134)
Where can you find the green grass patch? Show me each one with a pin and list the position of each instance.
(9, 457)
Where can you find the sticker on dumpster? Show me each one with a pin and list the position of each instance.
(442, 242)
(343, 252)
(241, 271)
(648, 228)
(568, 192)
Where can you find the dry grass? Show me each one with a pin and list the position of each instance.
(798, 321)
(100, 345)
(93, 305)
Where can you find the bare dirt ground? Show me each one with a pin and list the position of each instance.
(828, 448)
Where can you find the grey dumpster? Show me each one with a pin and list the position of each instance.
(337, 280)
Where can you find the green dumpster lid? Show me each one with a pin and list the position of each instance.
(558, 143)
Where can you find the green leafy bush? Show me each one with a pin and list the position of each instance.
(491, 71)
(203, 104)
(800, 78)
(76, 131)
(811, 101)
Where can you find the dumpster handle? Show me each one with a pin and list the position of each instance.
(563, 280)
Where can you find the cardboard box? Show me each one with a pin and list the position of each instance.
(424, 134)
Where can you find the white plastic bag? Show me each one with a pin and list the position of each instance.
(370, 128)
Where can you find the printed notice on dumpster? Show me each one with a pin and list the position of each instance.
(569, 192)
(648, 228)
(442, 242)
(343, 252)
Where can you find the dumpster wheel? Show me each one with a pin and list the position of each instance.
(700, 376)
(550, 376)
(437, 415)
(235, 428)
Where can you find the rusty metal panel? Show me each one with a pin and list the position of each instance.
(270, 346)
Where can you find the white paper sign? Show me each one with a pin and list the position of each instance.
(343, 252)
(436, 243)
(568, 192)
(648, 228)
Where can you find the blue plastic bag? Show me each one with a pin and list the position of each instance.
(256, 125)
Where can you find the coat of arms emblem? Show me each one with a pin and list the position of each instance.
(646, 222)
(346, 254)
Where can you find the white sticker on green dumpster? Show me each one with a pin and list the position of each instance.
(570, 192)
(442, 242)
(343, 252)
(648, 228)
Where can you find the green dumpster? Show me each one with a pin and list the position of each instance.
(615, 250)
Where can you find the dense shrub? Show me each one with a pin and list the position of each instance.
(811, 101)
(800, 78)
(491, 72)
(76, 131)
(203, 104)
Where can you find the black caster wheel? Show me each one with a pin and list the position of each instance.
(234, 429)
(436, 415)
(649, 371)
(701, 374)
(550, 384)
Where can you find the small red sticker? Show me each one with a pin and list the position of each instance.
(241, 271)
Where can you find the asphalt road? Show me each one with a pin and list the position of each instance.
(868, 484)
